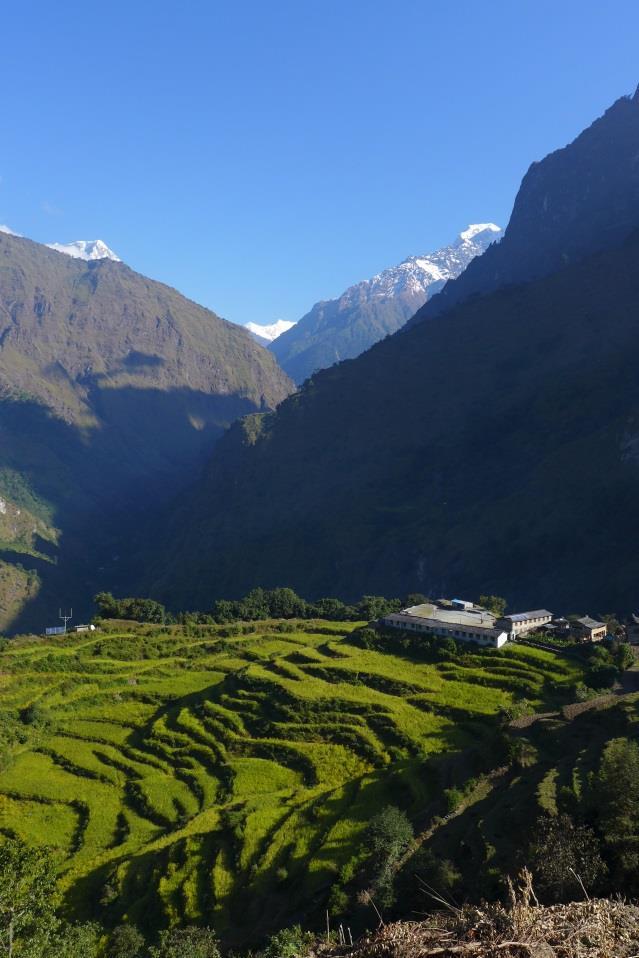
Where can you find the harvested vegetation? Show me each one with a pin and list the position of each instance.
(595, 928)
(227, 775)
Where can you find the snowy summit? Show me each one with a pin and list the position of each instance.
(476, 228)
(269, 333)
(85, 249)
(423, 276)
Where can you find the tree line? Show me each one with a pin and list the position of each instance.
(258, 604)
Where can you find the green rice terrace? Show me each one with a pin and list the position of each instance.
(225, 775)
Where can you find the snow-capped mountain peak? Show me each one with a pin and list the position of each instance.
(423, 276)
(476, 228)
(271, 332)
(7, 229)
(85, 249)
(342, 328)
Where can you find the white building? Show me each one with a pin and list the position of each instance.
(457, 620)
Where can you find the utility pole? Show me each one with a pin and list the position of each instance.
(65, 618)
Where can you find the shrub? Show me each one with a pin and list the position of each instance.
(453, 798)
(388, 836)
(36, 715)
(125, 942)
(560, 854)
(289, 943)
(186, 943)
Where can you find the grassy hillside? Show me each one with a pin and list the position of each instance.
(227, 774)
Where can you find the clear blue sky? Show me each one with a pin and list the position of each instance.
(260, 156)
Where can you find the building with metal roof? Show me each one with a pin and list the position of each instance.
(462, 624)
(522, 622)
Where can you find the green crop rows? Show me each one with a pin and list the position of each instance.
(226, 778)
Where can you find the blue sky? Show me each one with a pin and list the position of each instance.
(261, 156)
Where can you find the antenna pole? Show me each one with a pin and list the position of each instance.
(66, 617)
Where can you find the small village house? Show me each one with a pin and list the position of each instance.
(587, 629)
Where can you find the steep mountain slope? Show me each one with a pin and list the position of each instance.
(342, 328)
(495, 451)
(113, 388)
(578, 200)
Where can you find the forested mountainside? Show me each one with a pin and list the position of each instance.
(578, 200)
(113, 388)
(342, 328)
(497, 450)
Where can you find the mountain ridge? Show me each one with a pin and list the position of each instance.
(495, 451)
(344, 327)
(115, 389)
(574, 202)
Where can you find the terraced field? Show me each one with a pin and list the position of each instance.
(226, 775)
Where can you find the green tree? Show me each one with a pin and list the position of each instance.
(27, 887)
(388, 836)
(186, 943)
(562, 855)
(614, 625)
(37, 715)
(414, 598)
(126, 941)
(446, 648)
(289, 943)
(613, 803)
(424, 873)
(329, 608)
(224, 610)
(623, 655)
(285, 604)
(254, 606)
(494, 603)
(143, 610)
(375, 606)
(108, 607)
(74, 941)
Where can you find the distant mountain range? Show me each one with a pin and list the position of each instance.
(266, 334)
(494, 452)
(342, 328)
(113, 391)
